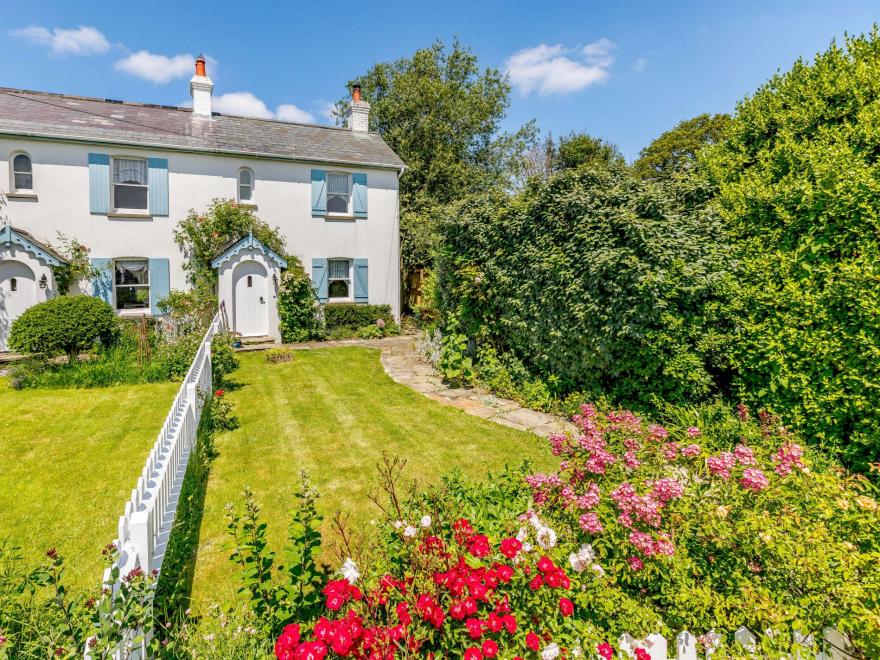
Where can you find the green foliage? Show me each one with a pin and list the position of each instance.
(192, 310)
(456, 365)
(221, 635)
(799, 185)
(201, 236)
(223, 359)
(355, 316)
(596, 283)
(581, 150)
(78, 266)
(298, 309)
(67, 324)
(675, 151)
(278, 593)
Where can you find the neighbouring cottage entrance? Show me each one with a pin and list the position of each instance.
(248, 275)
(26, 276)
(251, 302)
(18, 291)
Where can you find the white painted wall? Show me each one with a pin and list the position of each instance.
(282, 194)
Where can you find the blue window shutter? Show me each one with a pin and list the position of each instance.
(157, 182)
(319, 279)
(319, 192)
(160, 284)
(99, 183)
(102, 279)
(361, 281)
(359, 194)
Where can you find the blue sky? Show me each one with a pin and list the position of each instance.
(624, 71)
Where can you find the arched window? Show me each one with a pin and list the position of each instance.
(22, 173)
(245, 185)
(13, 284)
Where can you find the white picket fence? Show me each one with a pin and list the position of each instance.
(145, 526)
(834, 647)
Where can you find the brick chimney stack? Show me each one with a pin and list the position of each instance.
(357, 115)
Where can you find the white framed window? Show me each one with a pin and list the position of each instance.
(246, 185)
(339, 279)
(22, 173)
(338, 194)
(130, 184)
(131, 284)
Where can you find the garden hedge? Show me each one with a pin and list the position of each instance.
(799, 185)
(355, 316)
(597, 283)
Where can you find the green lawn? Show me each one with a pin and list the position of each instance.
(333, 412)
(69, 461)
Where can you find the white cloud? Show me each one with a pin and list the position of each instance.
(159, 69)
(245, 104)
(83, 40)
(640, 64)
(560, 70)
(290, 112)
(328, 112)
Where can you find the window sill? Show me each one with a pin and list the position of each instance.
(340, 216)
(247, 205)
(22, 195)
(145, 215)
(134, 313)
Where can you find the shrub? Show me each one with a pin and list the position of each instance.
(355, 316)
(278, 355)
(596, 283)
(797, 181)
(298, 308)
(223, 358)
(67, 324)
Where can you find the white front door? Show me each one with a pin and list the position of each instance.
(251, 286)
(18, 291)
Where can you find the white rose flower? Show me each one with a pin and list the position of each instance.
(584, 557)
(546, 537)
(426, 521)
(350, 571)
(398, 524)
(550, 652)
(535, 522)
(410, 531)
(522, 534)
(599, 570)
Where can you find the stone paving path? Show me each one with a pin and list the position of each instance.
(404, 365)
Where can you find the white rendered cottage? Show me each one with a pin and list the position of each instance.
(118, 177)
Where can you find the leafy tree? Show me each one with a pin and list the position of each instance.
(799, 185)
(583, 150)
(441, 113)
(676, 150)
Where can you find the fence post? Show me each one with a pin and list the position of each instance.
(139, 531)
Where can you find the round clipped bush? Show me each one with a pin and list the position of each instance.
(67, 324)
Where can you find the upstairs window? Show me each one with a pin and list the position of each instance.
(129, 184)
(245, 186)
(338, 194)
(132, 284)
(339, 278)
(22, 173)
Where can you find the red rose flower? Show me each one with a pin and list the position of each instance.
(533, 641)
(536, 583)
(219, 392)
(566, 607)
(604, 649)
(510, 547)
(509, 623)
(475, 628)
(473, 653)
(642, 654)
(490, 648)
(545, 564)
(479, 546)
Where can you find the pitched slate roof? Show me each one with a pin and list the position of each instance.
(59, 116)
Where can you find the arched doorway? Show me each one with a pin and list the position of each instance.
(18, 291)
(251, 296)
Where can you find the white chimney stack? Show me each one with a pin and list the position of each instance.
(200, 88)
(357, 115)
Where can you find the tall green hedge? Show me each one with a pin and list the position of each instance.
(799, 184)
(597, 282)
(355, 316)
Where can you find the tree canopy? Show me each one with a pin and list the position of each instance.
(582, 150)
(676, 150)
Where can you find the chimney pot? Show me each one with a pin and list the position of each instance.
(356, 93)
(200, 66)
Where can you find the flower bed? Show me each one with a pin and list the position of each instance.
(642, 529)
